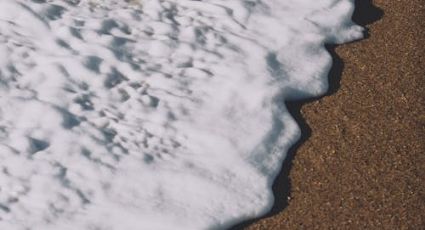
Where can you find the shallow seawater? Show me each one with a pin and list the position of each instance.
(154, 114)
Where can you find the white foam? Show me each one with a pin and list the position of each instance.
(154, 114)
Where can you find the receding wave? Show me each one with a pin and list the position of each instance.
(154, 114)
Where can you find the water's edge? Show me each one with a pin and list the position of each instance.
(365, 13)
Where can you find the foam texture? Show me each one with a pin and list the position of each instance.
(154, 114)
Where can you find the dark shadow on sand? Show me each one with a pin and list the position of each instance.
(365, 13)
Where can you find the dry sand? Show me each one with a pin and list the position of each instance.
(361, 163)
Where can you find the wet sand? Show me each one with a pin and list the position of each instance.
(361, 161)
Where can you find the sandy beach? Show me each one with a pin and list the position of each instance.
(361, 161)
(171, 114)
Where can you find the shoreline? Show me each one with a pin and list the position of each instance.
(360, 162)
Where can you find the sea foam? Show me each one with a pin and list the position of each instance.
(154, 114)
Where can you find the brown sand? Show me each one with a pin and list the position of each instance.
(363, 166)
